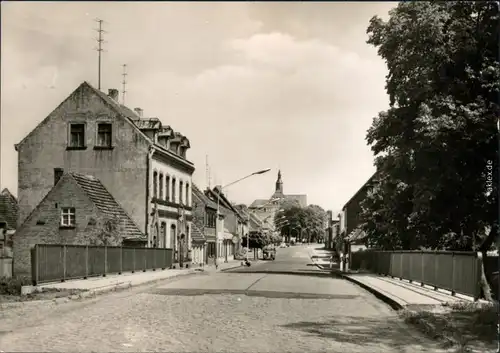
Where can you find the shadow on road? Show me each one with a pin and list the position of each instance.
(350, 329)
(298, 272)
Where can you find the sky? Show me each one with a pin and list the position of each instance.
(253, 85)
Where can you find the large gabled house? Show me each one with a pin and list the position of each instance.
(78, 210)
(141, 162)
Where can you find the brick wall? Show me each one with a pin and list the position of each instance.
(122, 170)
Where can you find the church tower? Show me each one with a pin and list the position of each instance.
(279, 186)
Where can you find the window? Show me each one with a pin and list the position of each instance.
(104, 135)
(210, 219)
(155, 185)
(187, 194)
(183, 152)
(180, 192)
(68, 216)
(77, 135)
(163, 239)
(161, 186)
(167, 188)
(173, 190)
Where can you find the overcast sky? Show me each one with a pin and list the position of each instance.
(290, 86)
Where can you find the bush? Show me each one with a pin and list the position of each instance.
(12, 285)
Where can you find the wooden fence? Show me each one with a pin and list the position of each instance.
(457, 272)
(50, 263)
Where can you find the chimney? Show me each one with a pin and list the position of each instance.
(58, 173)
(138, 111)
(113, 94)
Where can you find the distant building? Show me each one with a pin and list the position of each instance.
(266, 209)
(76, 211)
(350, 219)
(140, 161)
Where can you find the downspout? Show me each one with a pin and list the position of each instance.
(148, 201)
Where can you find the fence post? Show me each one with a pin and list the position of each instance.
(479, 258)
(435, 270)
(86, 262)
(154, 259)
(453, 273)
(423, 268)
(411, 267)
(121, 260)
(64, 264)
(400, 266)
(133, 261)
(105, 260)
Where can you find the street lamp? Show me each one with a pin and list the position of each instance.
(218, 207)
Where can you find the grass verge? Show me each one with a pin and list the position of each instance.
(10, 291)
(467, 326)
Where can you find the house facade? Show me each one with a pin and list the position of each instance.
(76, 211)
(204, 219)
(139, 160)
(8, 221)
(350, 220)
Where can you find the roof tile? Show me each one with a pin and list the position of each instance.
(106, 204)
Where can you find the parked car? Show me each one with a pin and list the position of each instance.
(283, 245)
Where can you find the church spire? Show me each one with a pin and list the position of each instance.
(279, 184)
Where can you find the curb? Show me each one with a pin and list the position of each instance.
(393, 303)
(92, 293)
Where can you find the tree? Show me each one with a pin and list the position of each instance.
(309, 220)
(436, 145)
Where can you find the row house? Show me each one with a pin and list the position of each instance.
(74, 212)
(8, 221)
(140, 161)
(235, 224)
(204, 219)
(349, 219)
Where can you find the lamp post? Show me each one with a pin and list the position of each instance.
(218, 208)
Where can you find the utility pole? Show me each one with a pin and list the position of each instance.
(99, 49)
(124, 82)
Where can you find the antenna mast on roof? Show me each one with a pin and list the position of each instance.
(99, 49)
(207, 171)
(124, 82)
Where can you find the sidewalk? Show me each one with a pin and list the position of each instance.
(321, 256)
(397, 293)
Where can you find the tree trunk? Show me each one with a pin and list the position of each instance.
(483, 281)
(483, 248)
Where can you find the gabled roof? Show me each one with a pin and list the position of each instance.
(258, 203)
(103, 201)
(128, 114)
(361, 189)
(202, 197)
(106, 204)
(148, 123)
(8, 209)
(196, 234)
(225, 202)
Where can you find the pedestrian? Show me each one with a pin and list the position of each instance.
(216, 262)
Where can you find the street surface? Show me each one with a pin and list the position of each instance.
(222, 312)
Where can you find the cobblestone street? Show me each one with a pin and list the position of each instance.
(219, 312)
